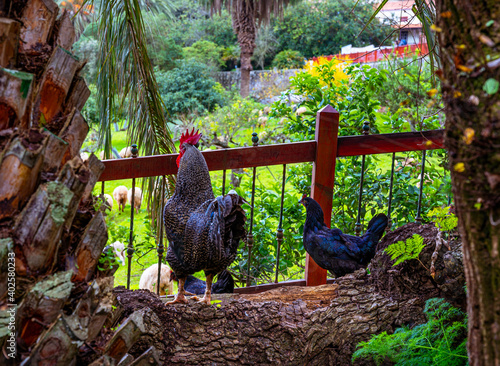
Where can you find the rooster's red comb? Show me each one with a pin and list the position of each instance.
(304, 196)
(191, 138)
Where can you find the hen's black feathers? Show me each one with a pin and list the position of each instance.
(335, 251)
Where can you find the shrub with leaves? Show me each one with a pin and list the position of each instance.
(189, 88)
(439, 342)
(288, 59)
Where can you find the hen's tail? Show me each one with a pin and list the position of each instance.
(376, 227)
(224, 284)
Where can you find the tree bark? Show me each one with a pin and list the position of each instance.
(9, 42)
(469, 51)
(53, 89)
(37, 21)
(19, 171)
(15, 96)
(244, 26)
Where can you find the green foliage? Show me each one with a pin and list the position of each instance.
(225, 122)
(439, 342)
(90, 111)
(266, 220)
(443, 218)
(205, 52)
(288, 59)
(188, 88)
(404, 97)
(265, 46)
(322, 27)
(87, 49)
(406, 250)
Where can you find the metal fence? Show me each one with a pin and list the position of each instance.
(322, 152)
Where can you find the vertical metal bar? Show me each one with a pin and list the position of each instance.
(224, 182)
(279, 232)
(422, 172)
(102, 188)
(389, 209)
(366, 129)
(250, 241)
(130, 248)
(160, 248)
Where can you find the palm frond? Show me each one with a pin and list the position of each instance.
(126, 84)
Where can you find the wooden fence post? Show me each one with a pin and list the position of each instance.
(323, 177)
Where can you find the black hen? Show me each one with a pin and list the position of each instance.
(335, 251)
(224, 284)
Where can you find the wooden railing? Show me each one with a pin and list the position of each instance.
(322, 152)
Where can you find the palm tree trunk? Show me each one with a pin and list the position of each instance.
(244, 26)
(469, 38)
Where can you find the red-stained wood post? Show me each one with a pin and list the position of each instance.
(323, 177)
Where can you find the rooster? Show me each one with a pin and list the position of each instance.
(203, 231)
(335, 251)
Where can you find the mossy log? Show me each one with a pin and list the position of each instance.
(303, 325)
(9, 42)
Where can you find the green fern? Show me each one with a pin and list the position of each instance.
(443, 218)
(441, 341)
(406, 250)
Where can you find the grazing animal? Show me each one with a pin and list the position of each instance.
(137, 198)
(203, 231)
(224, 284)
(108, 201)
(335, 251)
(120, 195)
(119, 249)
(149, 279)
(126, 152)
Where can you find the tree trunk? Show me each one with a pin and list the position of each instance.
(469, 51)
(244, 26)
(51, 237)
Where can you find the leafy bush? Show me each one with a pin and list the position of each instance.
(265, 46)
(205, 52)
(288, 59)
(322, 27)
(409, 98)
(439, 342)
(188, 88)
(222, 125)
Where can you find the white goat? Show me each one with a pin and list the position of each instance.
(149, 279)
(119, 249)
(137, 198)
(120, 196)
(108, 201)
(126, 152)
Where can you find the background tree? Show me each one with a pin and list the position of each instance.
(247, 15)
(469, 36)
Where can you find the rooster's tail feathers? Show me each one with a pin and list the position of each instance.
(224, 284)
(378, 224)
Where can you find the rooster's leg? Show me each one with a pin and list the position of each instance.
(180, 298)
(207, 299)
